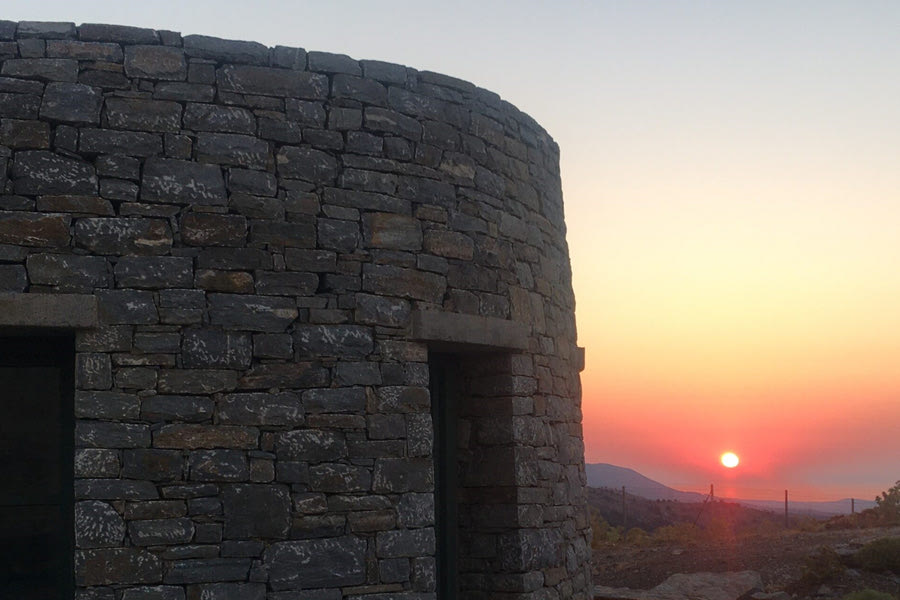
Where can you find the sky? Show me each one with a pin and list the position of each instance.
(731, 176)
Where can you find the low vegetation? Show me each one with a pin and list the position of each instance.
(851, 557)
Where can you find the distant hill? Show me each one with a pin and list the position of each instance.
(603, 475)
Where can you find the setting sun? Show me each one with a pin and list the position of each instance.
(730, 460)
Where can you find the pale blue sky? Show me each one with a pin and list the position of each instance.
(696, 137)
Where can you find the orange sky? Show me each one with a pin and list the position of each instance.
(737, 269)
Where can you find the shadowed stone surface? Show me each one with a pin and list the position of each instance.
(267, 255)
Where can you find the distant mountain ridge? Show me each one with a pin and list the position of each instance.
(604, 475)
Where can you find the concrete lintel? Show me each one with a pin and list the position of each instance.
(48, 311)
(446, 329)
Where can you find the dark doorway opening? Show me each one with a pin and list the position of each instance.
(36, 467)
(476, 501)
(444, 372)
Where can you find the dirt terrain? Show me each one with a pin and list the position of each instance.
(780, 558)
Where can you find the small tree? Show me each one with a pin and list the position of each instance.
(889, 504)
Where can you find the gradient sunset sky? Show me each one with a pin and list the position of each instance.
(731, 174)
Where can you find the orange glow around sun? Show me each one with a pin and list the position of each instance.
(730, 460)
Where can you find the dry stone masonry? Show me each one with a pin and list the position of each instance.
(271, 262)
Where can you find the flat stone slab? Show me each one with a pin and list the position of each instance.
(455, 329)
(729, 585)
(53, 311)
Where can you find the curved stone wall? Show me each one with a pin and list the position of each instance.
(263, 254)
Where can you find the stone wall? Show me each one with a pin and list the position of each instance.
(260, 230)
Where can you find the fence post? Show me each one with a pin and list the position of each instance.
(786, 509)
(624, 511)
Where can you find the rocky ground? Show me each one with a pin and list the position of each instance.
(780, 560)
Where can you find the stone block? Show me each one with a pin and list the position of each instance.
(154, 272)
(310, 445)
(367, 201)
(118, 189)
(42, 69)
(336, 400)
(228, 51)
(84, 50)
(106, 566)
(52, 30)
(97, 525)
(189, 409)
(392, 231)
(13, 278)
(116, 165)
(155, 592)
(218, 465)
(193, 437)
(416, 510)
(382, 120)
(28, 135)
(251, 313)
(233, 149)
(339, 478)
(182, 182)
(311, 564)
(121, 34)
(398, 475)
(283, 283)
(450, 244)
(230, 282)
(273, 345)
(116, 142)
(228, 591)
(252, 182)
(27, 229)
(68, 273)
(256, 511)
(203, 229)
(334, 234)
(405, 543)
(299, 374)
(268, 81)
(106, 405)
(114, 489)
(140, 114)
(384, 71)
(393, 570)
(155, 62)
(72, 103)
(96, 462)
(381, 310)
(207, 570)
(126, 307)
(221, 119)
(102, 434)
(357, 88)
(19, 106)
(401, 399)
(196, 381)
(333, 340)
(292, 235)
(211, 348)
(257, 207)
(413, 284)
(152, 464)
(283, 408)
(119, 236)
(40, 172)
(306, 163)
